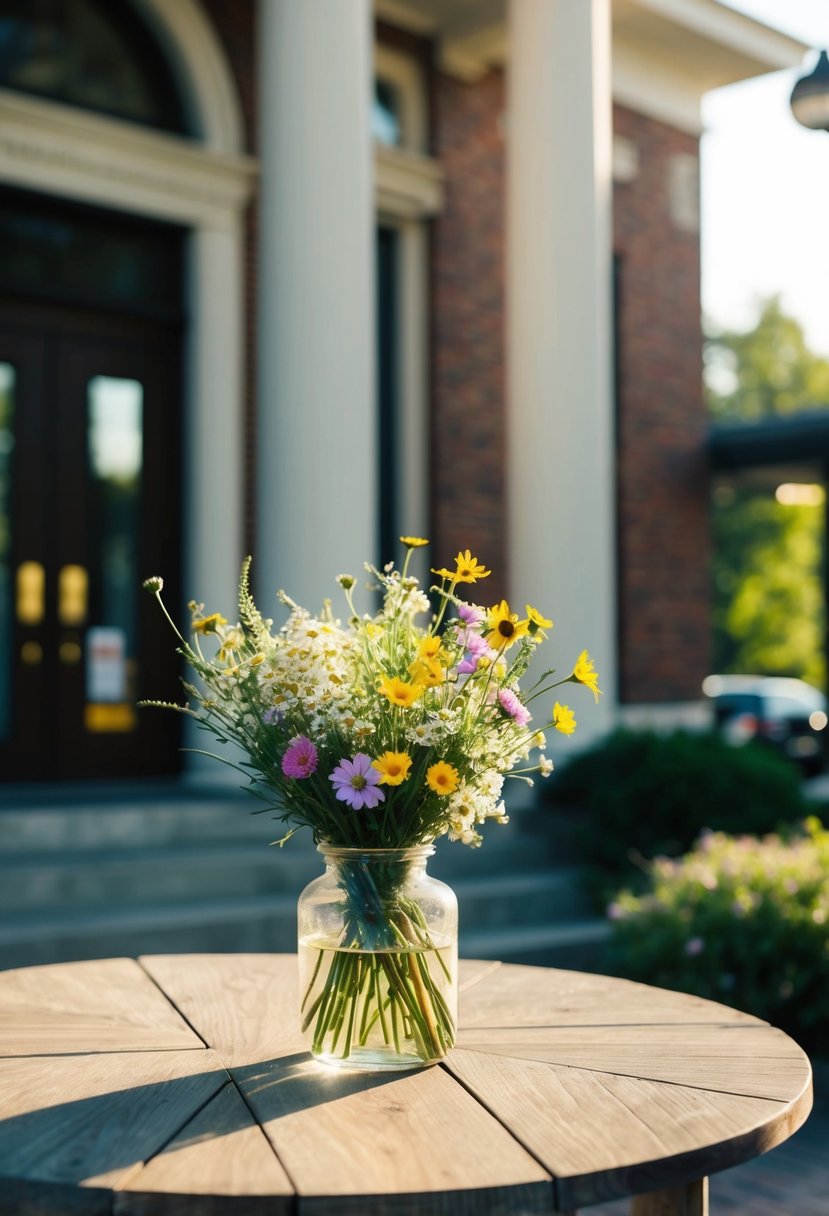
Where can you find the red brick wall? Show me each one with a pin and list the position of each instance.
(467, 328)
(663, 552)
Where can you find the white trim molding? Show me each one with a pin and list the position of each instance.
(407, 185)
(199, 61)
(60, 150)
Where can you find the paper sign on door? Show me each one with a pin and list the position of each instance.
(106, 670)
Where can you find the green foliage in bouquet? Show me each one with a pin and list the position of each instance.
(640, 794)
(742, 920)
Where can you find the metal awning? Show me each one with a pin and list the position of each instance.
(801, 438)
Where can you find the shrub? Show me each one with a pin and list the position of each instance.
(641, 794)
(741, 920)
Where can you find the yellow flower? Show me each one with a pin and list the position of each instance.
(430, 648)
(427, 672)
(442, 778)
(537, 621)
(209, 624)
(585, 673)
(564, 719)
(393, 767)
(504, 626)
(399, 692)
(469, 569)
(413, 542)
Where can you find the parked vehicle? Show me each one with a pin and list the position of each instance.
(787, 714)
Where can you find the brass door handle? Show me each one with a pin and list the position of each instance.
(30, 599)
(73, 587)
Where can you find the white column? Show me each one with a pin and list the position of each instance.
(317, 449)
(213, 447)
(213, 436)
(559, 288)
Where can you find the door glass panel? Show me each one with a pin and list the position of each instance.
(7, 386)
(115, 446)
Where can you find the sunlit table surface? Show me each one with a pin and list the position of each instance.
(179, 1084)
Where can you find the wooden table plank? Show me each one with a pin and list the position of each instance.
(374, 1134)
(243, 1005)
(103, 1005)
(220, 1164)
(758, 1061)
(88, 1121)
(603, 1135)
(343, 1134)
(546, 996)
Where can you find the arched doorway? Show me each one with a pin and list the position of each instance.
(121, 194)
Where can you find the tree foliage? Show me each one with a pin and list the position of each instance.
(768, 593)
(766, 371)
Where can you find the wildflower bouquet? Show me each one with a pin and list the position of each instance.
(381, 734)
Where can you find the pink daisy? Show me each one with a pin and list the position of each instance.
(300, 759)
(511, 705)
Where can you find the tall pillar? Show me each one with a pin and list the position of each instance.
(559, 288)
(316, 441)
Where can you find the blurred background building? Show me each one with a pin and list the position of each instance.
(293, 277)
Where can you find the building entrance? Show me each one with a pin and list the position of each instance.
(90, 474)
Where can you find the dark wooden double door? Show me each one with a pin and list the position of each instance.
(90, 461)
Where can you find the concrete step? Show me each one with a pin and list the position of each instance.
(260, 923)
(129, 876)
(579, 945)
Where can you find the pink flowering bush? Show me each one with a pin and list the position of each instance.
(741, 920)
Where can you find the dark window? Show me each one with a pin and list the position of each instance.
(74, 254)
(94, 54)
(388, 523)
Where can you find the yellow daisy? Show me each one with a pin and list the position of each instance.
(209, 624)
(469, 569)
(564, 719)
(413, 542)
(537, 621)
(393, 767)
(427, 672)
(585, 673)
(442, 778)
(400, 692)
(504, 627)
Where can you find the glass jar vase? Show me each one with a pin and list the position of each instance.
(378, 960)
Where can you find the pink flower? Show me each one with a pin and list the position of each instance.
(511, 705)
(300, 759)
(356, 781)
(694, 946)
(470, 614)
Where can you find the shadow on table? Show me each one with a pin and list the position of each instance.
(110, 1126)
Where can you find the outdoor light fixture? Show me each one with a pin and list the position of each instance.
(810, 97)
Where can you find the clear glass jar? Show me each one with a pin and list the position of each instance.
(378, 960)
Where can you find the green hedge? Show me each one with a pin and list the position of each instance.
(744, 921)
(638, 794)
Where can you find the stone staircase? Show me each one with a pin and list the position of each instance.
(161, 868)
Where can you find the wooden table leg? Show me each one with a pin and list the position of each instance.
(688, 1200)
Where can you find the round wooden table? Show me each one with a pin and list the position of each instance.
(178, 1084)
